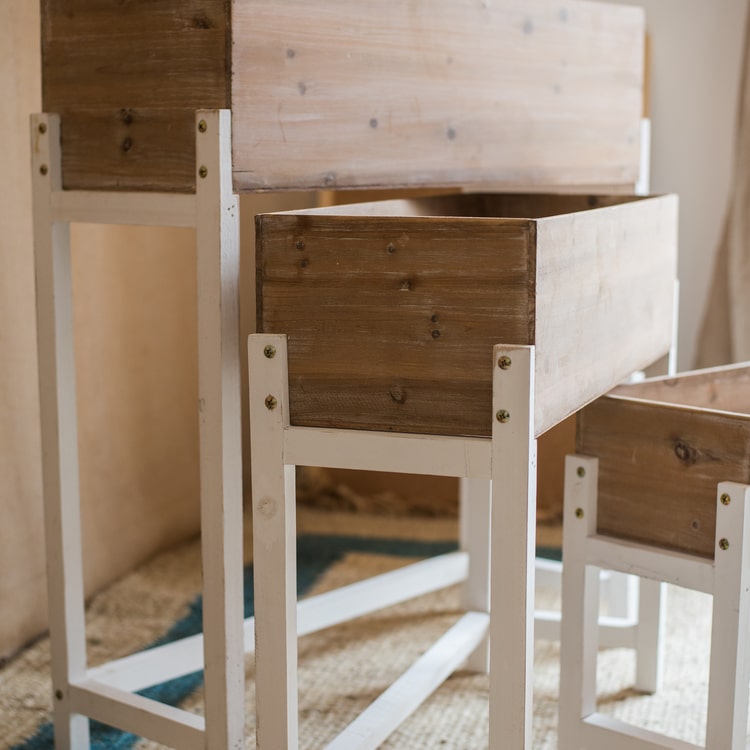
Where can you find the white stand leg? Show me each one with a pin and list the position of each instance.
(217, 235)
(57, 392)
(513, 536)
(274, 550)
(649, 655)
(580, 602)
(474, 502)
(730, 658)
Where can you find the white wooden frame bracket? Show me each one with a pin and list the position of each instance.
(214, 212)
(509, 456)
(726, 576)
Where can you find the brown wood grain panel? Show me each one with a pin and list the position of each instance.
(605, 300)
(126, 79)
(523, 93)
(391, 320)
(129, 149)
(659, 465)
(724, 388)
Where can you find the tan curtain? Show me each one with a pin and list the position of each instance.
(725, 333)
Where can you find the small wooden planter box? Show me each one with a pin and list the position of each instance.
(663, 445)
(392, 308)
(347, 93)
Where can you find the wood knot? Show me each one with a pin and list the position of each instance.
(398, 395)
(685, 452)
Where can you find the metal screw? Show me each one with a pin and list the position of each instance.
(202, 126)
(300, 244)
(581, 471)
(43, 169)
(271, 402)
(59, 694)
(724, 543)
(390, 248)
(503, 416)
(42, 127)
(504, 363)
(203, 171)
(270, 351)
(579, 512)
(725, 499)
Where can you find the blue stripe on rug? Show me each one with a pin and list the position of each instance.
(315, 554)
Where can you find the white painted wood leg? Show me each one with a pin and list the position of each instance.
(513, 536)
(580, 603)
(217, 237)
(730, 658)
(649, 654)
(274, 546)
(474, 517)
(59, 429)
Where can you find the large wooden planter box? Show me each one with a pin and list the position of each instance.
(663, 446)
(347, 93)
(392, 308)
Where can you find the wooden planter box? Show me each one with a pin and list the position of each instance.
(663, 445)
(347, 93)
(392, 308)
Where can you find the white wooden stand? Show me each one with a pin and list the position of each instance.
(106, 693)
(508, 458)
(727, 577)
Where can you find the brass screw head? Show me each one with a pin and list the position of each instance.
(42, 127)
(579, 512)
(202, 126)
(504, 363)
(725, 499)
(581, 471)
(503, 416)
(43, 169)
(271, 402)
(724, 544)
(203, 171)
(270, 351)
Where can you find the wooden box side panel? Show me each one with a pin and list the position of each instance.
(659, 466)
(605, 291)
(725, 388)
(527, 93)
(391, 321)
(126, 79)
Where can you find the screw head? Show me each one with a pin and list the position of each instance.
(300, 244)
(725, 499)
(270, 351)
(43, 169)
(579, 512)
(504, 363)
(42, 127)
(59, 694)
(503, 416)
(203, 171)
(202, 126)
(390, 248)
(581, 471)
(271, 402)
(724, 543)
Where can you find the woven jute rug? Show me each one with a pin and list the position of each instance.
(344, 668)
